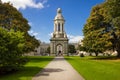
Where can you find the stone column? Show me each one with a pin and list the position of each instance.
(54, 27)
(54, 51)
(66, 47)
(61, 27)
(51, 47)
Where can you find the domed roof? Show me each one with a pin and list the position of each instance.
(59, 10)
(59, 14)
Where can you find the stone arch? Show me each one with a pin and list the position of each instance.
(59, 27)
(59, 48)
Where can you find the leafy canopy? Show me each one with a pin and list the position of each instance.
(11, 18)
(11, 50)
(97, 30)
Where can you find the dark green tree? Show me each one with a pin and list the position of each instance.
(81, 48)
(97, 30)
(11, 18)
(113, 7)
(11, 50)
(14, 38)
(48, 49)
(71, 48)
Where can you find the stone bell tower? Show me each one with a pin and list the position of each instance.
(59, 40)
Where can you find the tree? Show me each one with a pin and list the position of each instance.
(81, 48)
(93, 40)
(113, 7)
(11, 18)
(48, 49)
(71, 48)
(97, 29)
(11, 50)
(14, 38)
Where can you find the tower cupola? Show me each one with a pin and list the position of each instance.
(59, 15)
(59, 25)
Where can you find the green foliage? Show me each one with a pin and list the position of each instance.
(14, 38)
(92, 69)
(102, 16)
(48, 49)
(71, 48)
(81, 48)
(31, 43)
(113, 6)
(94, 40)
(11, 18)
(11, 50)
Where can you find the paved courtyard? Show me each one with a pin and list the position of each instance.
(58, 69)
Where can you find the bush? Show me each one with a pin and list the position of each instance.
(81, 55)
(11, 50)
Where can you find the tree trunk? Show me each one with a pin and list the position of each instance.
(118, 53)
(96, 54)
(118, 49)
(90, 54)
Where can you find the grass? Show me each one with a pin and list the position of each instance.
(96, 68)
(35, 64)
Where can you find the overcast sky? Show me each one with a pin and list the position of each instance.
(40, 14)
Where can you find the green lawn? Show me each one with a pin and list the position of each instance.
(35, 64)
(92, 68)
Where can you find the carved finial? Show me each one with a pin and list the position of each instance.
(59, 10)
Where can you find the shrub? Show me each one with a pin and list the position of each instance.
(11, 50)
(81, 55)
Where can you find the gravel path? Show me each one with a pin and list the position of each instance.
(58, 69)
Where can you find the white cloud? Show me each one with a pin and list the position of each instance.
(32, 33)
(50, 34)
(23, 4)
(44, 1)
(35, 33)
(74, 39)
(30, 23)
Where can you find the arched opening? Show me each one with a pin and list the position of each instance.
(59, 49)
(58, 26)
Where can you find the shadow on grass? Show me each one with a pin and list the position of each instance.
(104, 58)
(26, 73)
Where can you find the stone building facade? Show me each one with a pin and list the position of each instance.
(42, 49)
(59, 40)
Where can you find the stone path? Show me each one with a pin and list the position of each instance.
(58, 69)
